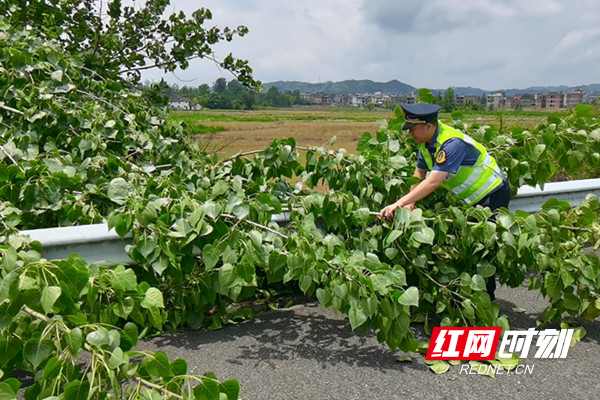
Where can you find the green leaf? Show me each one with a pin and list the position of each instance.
(509, 363)
(207, 390)
(537, 151)
(425, 96)
(305, 283)
(571, 302)
(357, 317)
(221, 187)
(231, 388)
(391, 237)
(123, 279)
(478, 283)
(160, 265)
(9, 348)
(49, 296)
(485, 269)
(98, 338)
(7, 392)
(9, 286)
(153, 298)
(391, 252)
(361, 216)
(158, 365)
(37, 351)
(241, 211)
(483, 369)
(76, 390)
(277, 262)
(179, 367)
(117, 358)
(119, 190)
(439, 367)
(57, 75)
(554, 203)
(424, 235)
(247, 272)
(129, 336)
(410, 297)
(363, 142)
(124, 307)
(578, 334)
(394, 146)
(74, 340)
(210, 256)
(382, 282)
(323, 296)
(228, 277)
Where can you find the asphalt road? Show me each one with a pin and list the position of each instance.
(308, 352)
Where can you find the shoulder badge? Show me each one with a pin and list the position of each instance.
(441, 157)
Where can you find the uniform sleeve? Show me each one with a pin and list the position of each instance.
(450, 156)
(421, 161)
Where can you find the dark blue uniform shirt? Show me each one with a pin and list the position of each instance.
(458, 153)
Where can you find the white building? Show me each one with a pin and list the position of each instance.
(494, 100)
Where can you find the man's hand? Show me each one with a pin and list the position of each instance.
(389, 211)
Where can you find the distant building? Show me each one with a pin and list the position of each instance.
(398, 99)
(574, 97)
(343, 100)
(306, 97)
(495, 100)
(554, 100)
(591, 99)
(514, 101)
(319, 99)
(540, 100)
(462, 100)
(528, 101)
(183, 104)
(322, 99)
(359, 100)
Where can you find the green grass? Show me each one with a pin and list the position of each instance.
(199, 129)
(285, 114)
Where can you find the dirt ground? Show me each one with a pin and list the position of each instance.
(247, 136)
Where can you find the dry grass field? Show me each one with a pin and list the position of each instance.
(228, 132)
(248, 136)
(238, 131)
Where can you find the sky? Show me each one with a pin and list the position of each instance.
(487, 44)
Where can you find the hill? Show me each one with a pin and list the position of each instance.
(343, 87)
(397, 87)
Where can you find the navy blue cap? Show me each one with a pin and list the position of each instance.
(419, 113)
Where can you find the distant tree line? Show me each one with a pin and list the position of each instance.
(227, 95)
(232, 94)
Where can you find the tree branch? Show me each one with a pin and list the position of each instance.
(14, 110)
(266, 228)
(42, 317)
(99, 99)
(248, 153)
(159, 388)
(11, 158)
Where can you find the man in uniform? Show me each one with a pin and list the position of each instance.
(453, 159)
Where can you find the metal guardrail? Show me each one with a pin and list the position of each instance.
(97, 244)
(531, 199)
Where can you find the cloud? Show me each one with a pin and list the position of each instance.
(398, 16)
(443, 15)
(579, 40)
(430, 43)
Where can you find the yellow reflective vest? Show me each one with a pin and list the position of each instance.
(470, 183)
